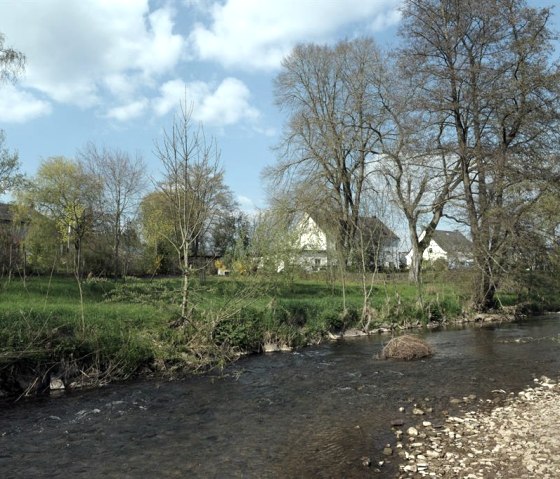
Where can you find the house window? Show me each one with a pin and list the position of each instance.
(317, 261)
(430, 250)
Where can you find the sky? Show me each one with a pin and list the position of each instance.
(113, 72)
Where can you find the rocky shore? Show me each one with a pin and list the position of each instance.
(512, 436)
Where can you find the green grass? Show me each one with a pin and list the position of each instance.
(132, 325)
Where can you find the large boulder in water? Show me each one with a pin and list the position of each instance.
(407, 347)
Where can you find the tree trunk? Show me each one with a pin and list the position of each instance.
(415, 271)
(185, 292)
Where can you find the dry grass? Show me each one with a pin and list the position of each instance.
(406, 347)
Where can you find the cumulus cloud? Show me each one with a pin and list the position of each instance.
(226, 104)
(257, 35)
(75, 49)
(18, 106)
(129, 111)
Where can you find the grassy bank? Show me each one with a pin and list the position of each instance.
(128, 327)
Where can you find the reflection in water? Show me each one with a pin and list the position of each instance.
(313, 413)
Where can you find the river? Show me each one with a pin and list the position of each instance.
(313, 413)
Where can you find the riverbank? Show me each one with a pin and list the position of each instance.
(509, 437)
(51, 340)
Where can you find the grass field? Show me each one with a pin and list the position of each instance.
(125, 327)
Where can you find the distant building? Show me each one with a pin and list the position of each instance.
(317, 248)
(450, 246)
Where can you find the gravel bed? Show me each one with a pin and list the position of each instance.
(518, 439)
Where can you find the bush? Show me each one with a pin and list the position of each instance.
(406, 347)
(242, 331)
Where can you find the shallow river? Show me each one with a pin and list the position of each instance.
(314, 413)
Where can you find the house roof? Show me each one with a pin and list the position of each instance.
(5, 213)
(378, 229)
(374, 229)
(452, 241)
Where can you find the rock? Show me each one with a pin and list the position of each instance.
(412, 431)
(56, 384)
(397, 422)
(366, 461)
(418, 412)
(387, 451)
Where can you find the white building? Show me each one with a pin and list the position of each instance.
(450, 246)
(317, 250)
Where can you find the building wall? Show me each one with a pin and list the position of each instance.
(432, 253)
(311, 237)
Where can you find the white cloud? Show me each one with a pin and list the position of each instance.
(17, 106)
(256, 34)
(247, 204)
(75, 49)
(128, 112)
(227, 104)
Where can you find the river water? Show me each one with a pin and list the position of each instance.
(314, 413)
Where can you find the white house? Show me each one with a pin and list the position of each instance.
(450, 246)
(316, 249)
(312, 243)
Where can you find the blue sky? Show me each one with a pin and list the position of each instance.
(113, 71)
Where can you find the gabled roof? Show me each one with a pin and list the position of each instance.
(373, 228)
(452, 241)
(377, 229)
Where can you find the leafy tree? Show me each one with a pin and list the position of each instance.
(158, 233)
(68, 195)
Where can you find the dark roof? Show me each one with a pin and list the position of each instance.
(452, 241)
(374, 229)
(5, 213)
(378, 229)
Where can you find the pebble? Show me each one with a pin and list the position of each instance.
(515, 439)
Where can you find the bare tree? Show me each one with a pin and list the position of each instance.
(486, 67)
(123, 180)
(334, 129)
(191, 188)
(418, 164)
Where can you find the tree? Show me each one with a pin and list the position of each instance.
(65, 193)
(158, 231)
(331, 139)
(193, 189)
(419, 166)
(486, 67)
(123, 179)
(12, 62)
(9, 167)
